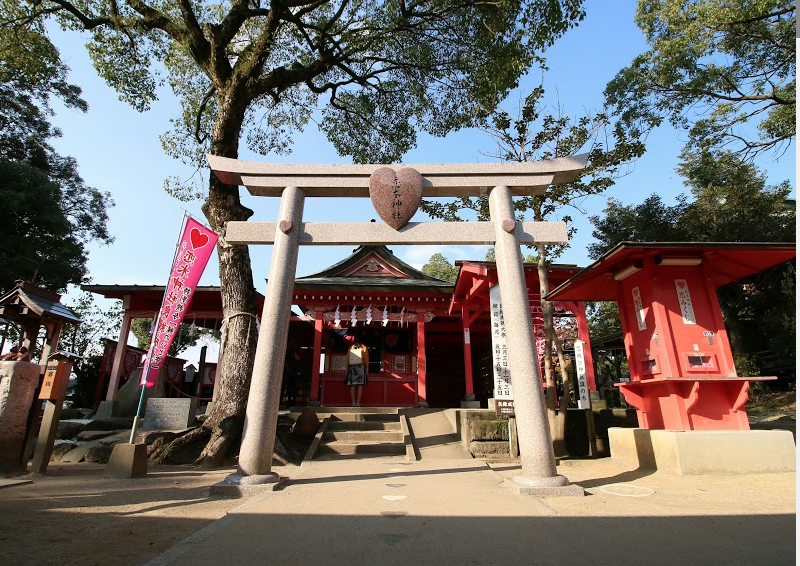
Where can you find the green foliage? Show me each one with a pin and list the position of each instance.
(603, 318)
(715, 68)
(55, 213)
(650, 221)
(86, 375)
(97, 323)
(388, 70)
(439, 266)
(732, 203)
(186, 337)
(37, 243)
(746, 365)
(31, 73)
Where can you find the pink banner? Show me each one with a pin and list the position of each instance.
(194, 248)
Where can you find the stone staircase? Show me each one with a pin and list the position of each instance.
(361, 431)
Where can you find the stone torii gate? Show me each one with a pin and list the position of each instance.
(397, 194)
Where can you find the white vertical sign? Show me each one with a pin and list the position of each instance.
(638, 308)
(685, 301)
(580, 367)
(502, 375)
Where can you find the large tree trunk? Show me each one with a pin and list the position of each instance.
(556, 408)
(223, 427)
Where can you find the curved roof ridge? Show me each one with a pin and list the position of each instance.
(359, 254)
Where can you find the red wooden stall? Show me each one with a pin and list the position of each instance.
(681, 365)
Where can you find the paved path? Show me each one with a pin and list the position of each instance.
(387, 511)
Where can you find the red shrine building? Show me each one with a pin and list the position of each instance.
(429, 340)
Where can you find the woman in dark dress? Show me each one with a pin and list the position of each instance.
(357, 364)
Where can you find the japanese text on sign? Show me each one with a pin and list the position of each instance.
(397, 202)
(505, 407)
(502, 373)
(580, 368)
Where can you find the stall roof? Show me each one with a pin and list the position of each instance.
(26, 300)
(474, 278)
(206, 302)
(727, 262)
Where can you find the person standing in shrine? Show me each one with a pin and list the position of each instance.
(357, 364)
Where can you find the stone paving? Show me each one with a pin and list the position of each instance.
(391, 511)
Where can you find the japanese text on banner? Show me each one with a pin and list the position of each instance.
(194, 250)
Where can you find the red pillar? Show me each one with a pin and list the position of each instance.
(422, 390)
(661, 317)
(470, 396)
(313, 396)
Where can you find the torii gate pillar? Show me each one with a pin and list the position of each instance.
(538, 475)
(258, 438)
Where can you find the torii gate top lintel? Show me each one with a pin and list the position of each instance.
(439, 180)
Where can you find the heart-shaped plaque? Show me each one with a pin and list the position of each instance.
(395, 195)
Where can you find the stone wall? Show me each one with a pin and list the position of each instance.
(485, 434)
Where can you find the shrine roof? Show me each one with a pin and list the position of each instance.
(373, 268)
(726, 262)
(119, 291)
(41, 302)
(206, 301)
(472, 272)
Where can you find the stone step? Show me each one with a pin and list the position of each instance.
(362, 417)
(350, 448)
(363, 425)
(364, 436)
(489, 449)
(372, 410)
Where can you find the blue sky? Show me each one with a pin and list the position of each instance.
(118, 150)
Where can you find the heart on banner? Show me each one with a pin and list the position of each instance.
(681, 283)
(395, 195)
(197, 238)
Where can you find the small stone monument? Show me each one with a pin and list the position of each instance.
(18, 381)
(170, 414)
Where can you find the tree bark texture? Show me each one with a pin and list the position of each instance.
(556, 418)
